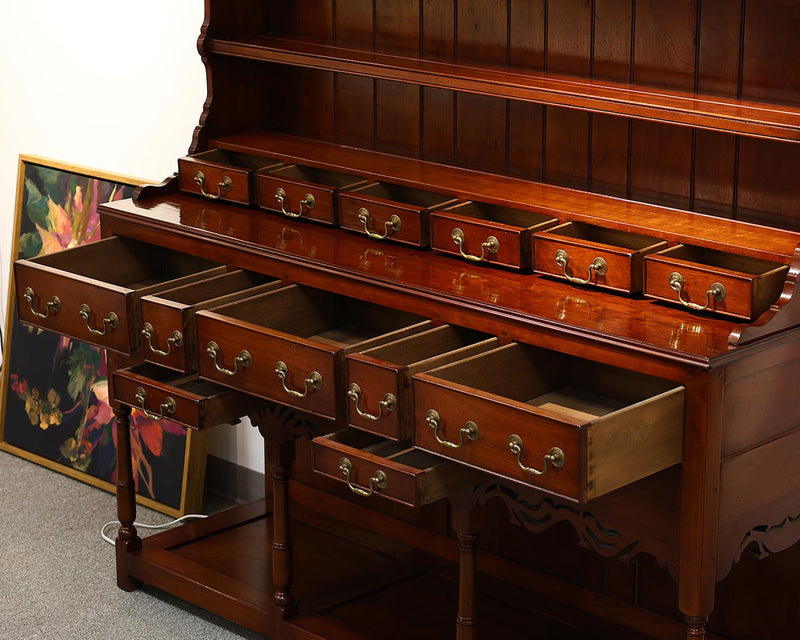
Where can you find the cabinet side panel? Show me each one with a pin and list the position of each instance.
(749, 418)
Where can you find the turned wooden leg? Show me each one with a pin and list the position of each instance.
(463, 523)
(281, 541)
(467, 619)
(695, 627)
(127, 538)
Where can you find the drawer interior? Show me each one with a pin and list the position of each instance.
(386, 449)
(414, 197)
(126, 263)
(720, 259)
(423, 348)
(603, 235)
(216, 287)
(315, 175)
(235, 159)
(552, 380)
(503, 215)
(189, 383)
(320, 315)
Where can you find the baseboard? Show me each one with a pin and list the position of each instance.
(231, 482)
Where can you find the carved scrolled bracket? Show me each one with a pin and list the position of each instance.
(279, 422)
(760, 542)
(535, 511)
(782, 314)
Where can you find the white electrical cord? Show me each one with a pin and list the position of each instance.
(190, 516)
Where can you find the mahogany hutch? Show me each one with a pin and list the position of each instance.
(509, 287)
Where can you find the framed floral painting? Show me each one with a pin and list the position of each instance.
(54, 405)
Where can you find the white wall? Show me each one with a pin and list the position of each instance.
(112, 86)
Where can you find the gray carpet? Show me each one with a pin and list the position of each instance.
(57, 576)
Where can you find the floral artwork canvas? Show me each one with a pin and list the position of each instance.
(55, 401)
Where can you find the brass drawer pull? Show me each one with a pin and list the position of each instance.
(378, 481)
(226, 184)
(599, 267)
(555, 457)
(53, 306)
(308, 202)
(312, 383)
(176, 340)
(168, 405)
(492, 245)
(244, 359)
(392, 225)
(716, 292)
(110, 321)
(470, 430)
(389, 403)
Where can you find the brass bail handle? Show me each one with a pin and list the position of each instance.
(392, 225)
(389, 403)
(111, 321)
(226, 184)
(175, 340)
(308, 202)
(168, 405)
(377, 481)
(555, 456)
(434, 421)
(312, 383)
(244, 359)
(716, 292)
(599, 267)
(53, 306)
(492, 245)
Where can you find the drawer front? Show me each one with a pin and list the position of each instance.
(373, 468)
(229, 184)
(697, 286)
(586, 264)
(384, 220)
(168, 334)
(269, 364)
(297, 199)
(83, 308)
(481, 242)
(378, 397)
(476, 429)
(186, 400)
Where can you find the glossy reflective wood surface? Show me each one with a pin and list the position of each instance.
(528, 303)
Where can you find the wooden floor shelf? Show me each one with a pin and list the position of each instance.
(341, 584)
(674, 225)
(680, 108)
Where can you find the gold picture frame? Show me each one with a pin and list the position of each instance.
(44, 377)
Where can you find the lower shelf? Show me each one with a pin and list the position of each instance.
(343, 589)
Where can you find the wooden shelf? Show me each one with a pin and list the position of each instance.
(674, 225)
(753, 119)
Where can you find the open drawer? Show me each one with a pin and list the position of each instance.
(373, 466)
(303, 192)
(571, 426)
(703, 279)
(386, 211)
(92, 292)
(588, 254)
(379, 379)
(168, 316)
(186, 399)
(223, 175)
(485, 233)
(289, 345)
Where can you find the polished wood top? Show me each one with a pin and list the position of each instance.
(514, 305)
